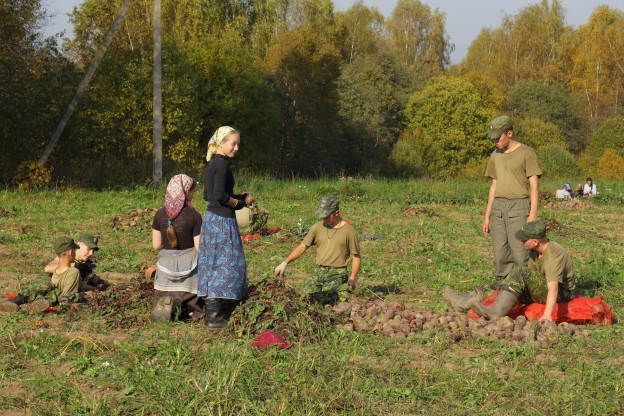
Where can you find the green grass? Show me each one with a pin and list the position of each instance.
(430, 236)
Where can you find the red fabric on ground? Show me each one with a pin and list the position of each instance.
(580, 310)
(269, 339)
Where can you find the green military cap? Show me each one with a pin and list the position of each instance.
(498, 126)
(328, 205)
(62, 244)
(533, 229)
(89, 240)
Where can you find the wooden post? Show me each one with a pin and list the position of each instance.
(157, 87)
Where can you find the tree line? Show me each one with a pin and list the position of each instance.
(313, 91)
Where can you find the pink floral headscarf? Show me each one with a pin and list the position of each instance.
(175, 198)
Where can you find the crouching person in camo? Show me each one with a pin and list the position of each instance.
(336, 241)
(87, 246)
(63, 286)
(548, 279)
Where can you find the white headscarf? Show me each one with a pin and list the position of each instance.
(216, 139)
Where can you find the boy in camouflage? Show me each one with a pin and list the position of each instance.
(87, 246)
(336, 241)
(45, 291)
(549, 278)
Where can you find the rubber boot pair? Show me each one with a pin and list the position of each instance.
(21, 302)
(215, 312)
(505, 300)
(461, 303)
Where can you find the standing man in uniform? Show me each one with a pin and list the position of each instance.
(336, 242)
(513, 196)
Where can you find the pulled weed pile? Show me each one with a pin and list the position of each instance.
(125, 305)
(274, 306)
(397, 321)
(137, 218)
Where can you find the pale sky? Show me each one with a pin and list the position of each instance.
(464, 18)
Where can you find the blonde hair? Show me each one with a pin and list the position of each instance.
(217, 138)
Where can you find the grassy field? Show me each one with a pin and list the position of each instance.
(102, 363)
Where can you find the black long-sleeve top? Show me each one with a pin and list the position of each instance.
(219, 186)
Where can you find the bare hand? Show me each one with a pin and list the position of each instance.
(486, 226)
(150, 271)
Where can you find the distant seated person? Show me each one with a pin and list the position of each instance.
(590, 188)
(87, 246)
(64, 286)
(579, 190)
(564, 193)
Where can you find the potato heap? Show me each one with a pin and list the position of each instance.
(136, 218)
(398, 321)
(574, 204)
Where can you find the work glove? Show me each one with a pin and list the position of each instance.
(351, 283)
(279, 270)
(249, 199)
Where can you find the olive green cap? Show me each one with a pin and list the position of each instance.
(328, 205)
(62, 244)
(498, 126)
(534, 229)
(89, 240)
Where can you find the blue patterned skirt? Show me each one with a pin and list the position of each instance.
(222, 266)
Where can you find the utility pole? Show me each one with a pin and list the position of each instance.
(157, 87)
(84, 83)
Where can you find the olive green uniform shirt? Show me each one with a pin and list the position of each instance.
(335, 245)
(512, 171)
(67, 282)
(555, 265)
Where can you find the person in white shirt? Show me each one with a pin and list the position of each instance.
(590, 188)
(564, 193)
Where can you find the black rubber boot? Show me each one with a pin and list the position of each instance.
(505, 300)
(215, 310)
(461, 303)
(13, 305)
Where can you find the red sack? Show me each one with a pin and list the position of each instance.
(580, 310)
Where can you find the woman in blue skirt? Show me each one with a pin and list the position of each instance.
(222, 265)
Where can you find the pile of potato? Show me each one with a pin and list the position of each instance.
(398, 321)
(570, 204)
(136, 218)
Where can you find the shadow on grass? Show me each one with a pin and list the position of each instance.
(383, 290)
(589, 287)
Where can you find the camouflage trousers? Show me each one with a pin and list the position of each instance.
(328, 285)
(529, 286)
(42, 288)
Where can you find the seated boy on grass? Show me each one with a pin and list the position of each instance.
(64, 285)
